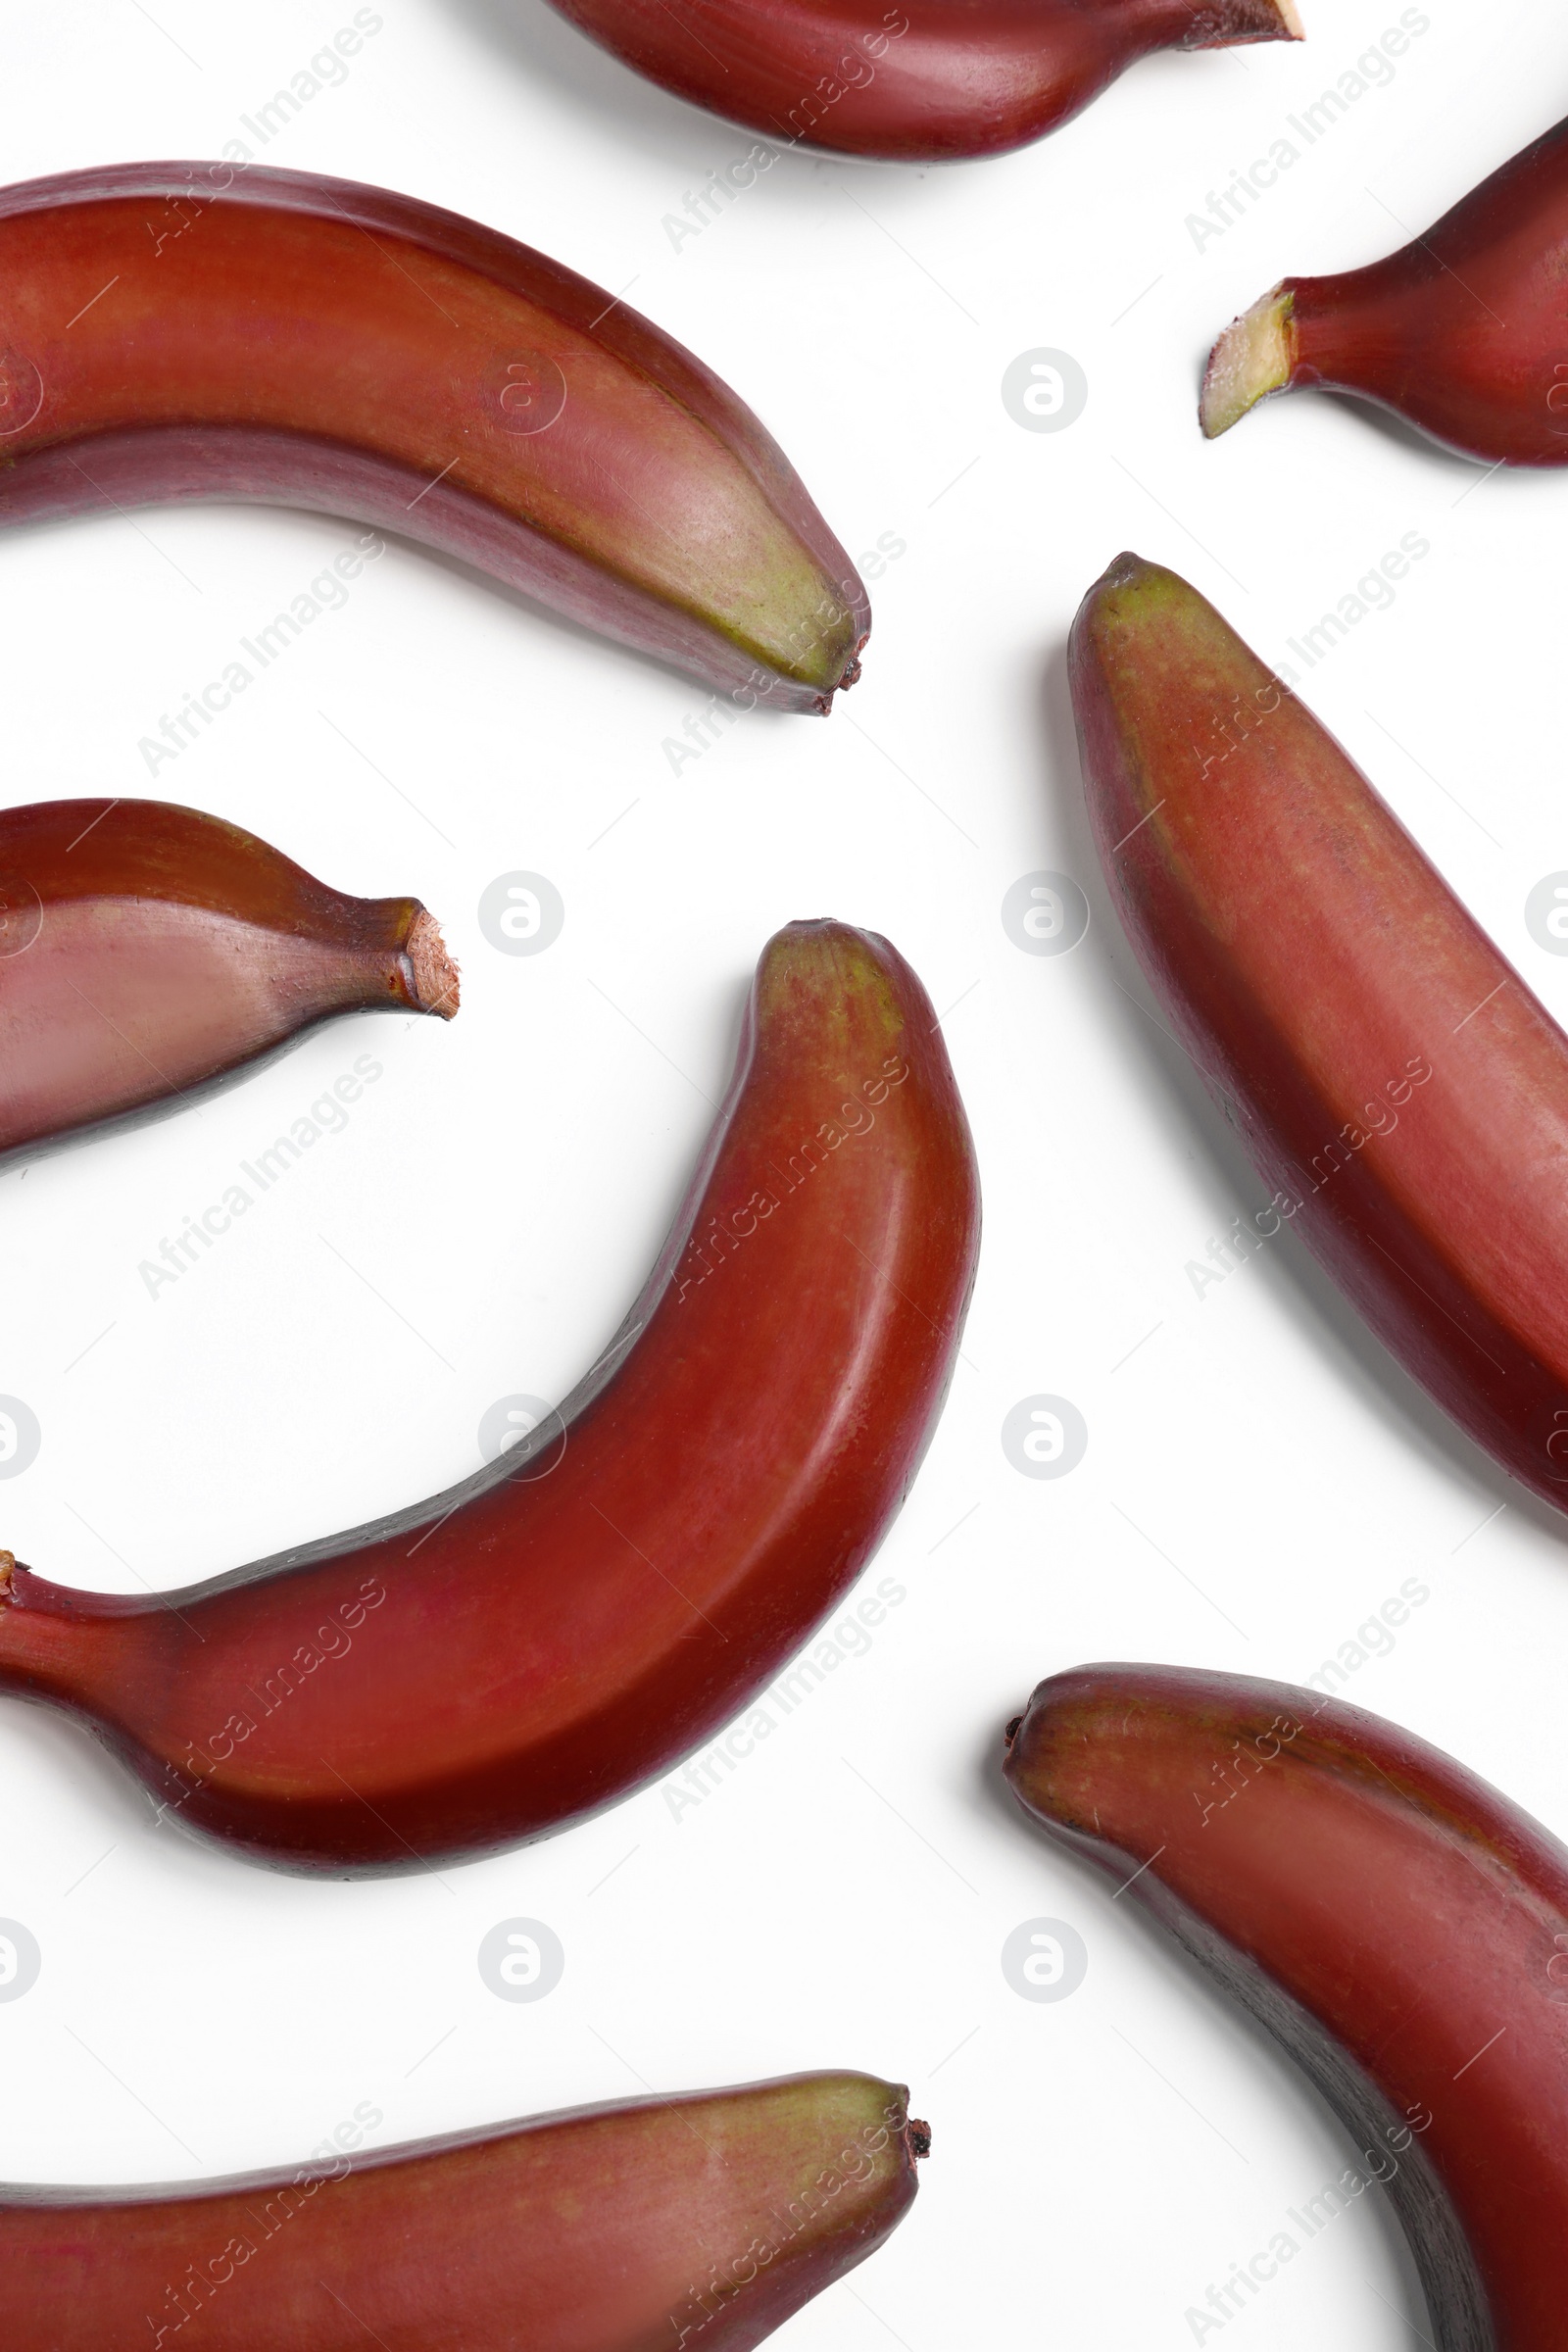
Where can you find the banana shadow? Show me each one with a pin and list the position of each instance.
(84, 1770)
(1372, 416)
(23, 1156)
(1391, 428)
(545, 48)
(471, 576)
(1400, 433)
(1317, 1309)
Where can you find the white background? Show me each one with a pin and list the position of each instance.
(1258, 1478)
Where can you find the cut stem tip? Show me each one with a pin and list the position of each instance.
(435, 974)
(1254, 356)
(1229, 24)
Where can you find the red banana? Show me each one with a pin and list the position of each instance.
(1463, 332)
(1402, 1092)
(936, 80)
(531, 1645)
(706, 2219)
(146, 952)
(1399, 1927)
(213, 330)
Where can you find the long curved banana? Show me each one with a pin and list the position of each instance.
(702, 2221)
(1401, 1090)
(207, 331)
(523, 1649)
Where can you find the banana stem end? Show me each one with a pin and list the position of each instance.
(1229, 24)
(435, 974)
(1254, 356)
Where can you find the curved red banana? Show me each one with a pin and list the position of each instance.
(1402, 1092)
(1399, 1927)
(1463, 331)
(527, 1647)
(207, 331)
(147, 951)
(705, 2219)
(923, 81)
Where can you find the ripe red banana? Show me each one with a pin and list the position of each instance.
(936, 80)
(146, 952)
(706, 2219)
(213, 330)
(1399, 1925)
(529, 1647)
(1462, 332)
(1401, 1092)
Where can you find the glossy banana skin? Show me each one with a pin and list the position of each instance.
(1402, 1094)
(275, 335)
(921, 82)
(1397, 1924)
(531, 1645)
(700, 2220)
(147, 951)
(1464, 332)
